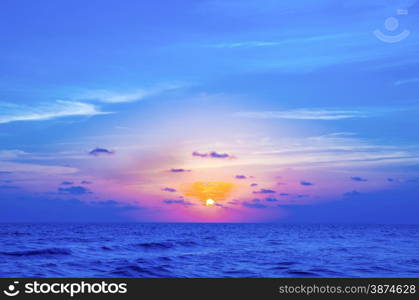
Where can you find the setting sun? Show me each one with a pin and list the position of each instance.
(209, 192)
(210, 202)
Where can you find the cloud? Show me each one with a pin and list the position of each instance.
(67, 183)
(212, 154)
(351, 193)
(284, 194)
(253, 184)
(12, 154)
(181, 202)
(301, 41)
(180, 170)
(271, 199)
(85, 182)
(254, 204)
(35, 168)
(306, 183)
(413, 180)
(29, 208)
(240, 177)
(114, 204)
(406, 81)
(5, 173)
(264, 191)
(101, 151)
(305, 114)
(359, 179)
(10, 112)
(74, 190)
(137, 95)
(302, 196)
(233, 202)
(168, 189)
(9, 187)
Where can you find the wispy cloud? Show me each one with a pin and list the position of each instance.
(101, 151)
(275, 43)
(10, 112)
(406, 81)
(212, 154)
(359, 179)
(121, 97)
(306, 183)
(305, 114)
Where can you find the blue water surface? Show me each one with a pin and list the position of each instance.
(208, 250)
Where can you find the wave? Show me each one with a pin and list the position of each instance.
(48, 251)
(154, 245)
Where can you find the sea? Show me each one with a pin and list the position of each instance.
(208, 250)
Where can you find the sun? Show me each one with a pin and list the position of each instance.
(210, 202)
(209, 192)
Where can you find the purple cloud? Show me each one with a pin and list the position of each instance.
(352, 193)
(67, 183)
(254, 205)
(212, 154)
(181, 202)
(254, 184)
(306, 183)
(86, 182)
(168, 189)
(284, 194)
(74, 190)
(359, 179)
(264, 191)
(271, 199)
(101, 151)
(179, 170)
(241, 177)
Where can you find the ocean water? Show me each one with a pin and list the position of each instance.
(208, 250)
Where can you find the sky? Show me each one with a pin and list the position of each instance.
(209, 111)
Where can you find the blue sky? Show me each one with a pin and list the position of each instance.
(117, 94)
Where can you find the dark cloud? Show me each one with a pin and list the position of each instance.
(254, 184)
(264, 191)
(359, 179)
(351, 193)
(414, 180)
(67, 183)
(101, 151)
(179, 170)
(302, 196)
(271, 199)
(9, 187)
(306, 183)
(391, 179)
(241, 177)
(181, 202)
(233, 202)
(284, 194)
(74, 190)
(29, 208)
(115, 204)
(254, 205)
(5, 173)
(168, 189)
(85, 182)
(212, 154)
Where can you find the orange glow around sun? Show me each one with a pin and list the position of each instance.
(209, 193)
